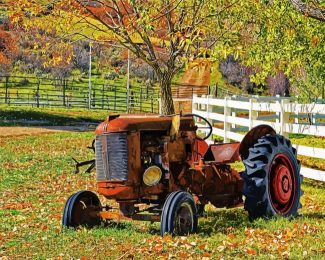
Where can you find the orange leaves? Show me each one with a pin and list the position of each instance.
(315, 41)
(61, 56)
(7, 47)
(231, 236)
(277, 242)
(17, 205)
(175, 247)
(183, 255)
(250, 251)
(158, 248)
(3, 59)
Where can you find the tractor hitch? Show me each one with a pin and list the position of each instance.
(80, 164)
(92, 162)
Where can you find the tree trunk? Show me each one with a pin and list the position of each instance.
(6, 84)
(64, 88)
(317, 13)
(167, 105)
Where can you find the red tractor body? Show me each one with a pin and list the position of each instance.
(161, 162)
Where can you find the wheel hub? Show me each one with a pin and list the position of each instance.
(282, 184)
(184, 220)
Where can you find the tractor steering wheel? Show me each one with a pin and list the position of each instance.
(209, 126)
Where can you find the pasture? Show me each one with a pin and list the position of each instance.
(36, 178)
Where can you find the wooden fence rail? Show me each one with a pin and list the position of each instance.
(232, 117)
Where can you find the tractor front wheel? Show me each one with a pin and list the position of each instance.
(272, 180)
(179, 216)
(81, 209)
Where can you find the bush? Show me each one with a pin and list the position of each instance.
(278, 85)
(117, 62)
(81, 56)
(142, 70)
(112, 75)
(24, 82)
(237, 74)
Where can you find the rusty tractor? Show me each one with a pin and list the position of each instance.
(159, 169)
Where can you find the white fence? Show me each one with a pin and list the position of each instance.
(236, 116)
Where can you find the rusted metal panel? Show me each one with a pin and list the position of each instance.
(118, 216)
(176, 151)
(117, 190)
(152, 190)
(134, 161)
(128, 123)
(200, 147)
(223, 153)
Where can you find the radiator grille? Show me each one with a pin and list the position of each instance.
(112, 157)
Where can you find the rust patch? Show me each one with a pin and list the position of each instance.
(223, 153)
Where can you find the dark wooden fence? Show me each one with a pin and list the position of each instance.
(186, 91)
(45, 92)
(110, 95)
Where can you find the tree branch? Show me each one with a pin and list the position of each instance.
(313, 12)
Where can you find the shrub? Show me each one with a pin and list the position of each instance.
(236, 74)
(278, 84)
(23, 82)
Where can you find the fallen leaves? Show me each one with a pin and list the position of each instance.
(250, 251)
(175, 247)
(17, 205)
(31, 211)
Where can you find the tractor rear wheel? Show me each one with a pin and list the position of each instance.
(272, 180)
(81, 209)
(179, 216)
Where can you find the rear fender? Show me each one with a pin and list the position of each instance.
(252, 137)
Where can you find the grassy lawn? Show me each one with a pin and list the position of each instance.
(36, 178)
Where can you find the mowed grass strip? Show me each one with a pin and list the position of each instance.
(36, 178)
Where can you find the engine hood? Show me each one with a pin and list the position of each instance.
(137, 123)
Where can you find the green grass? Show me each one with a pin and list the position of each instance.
(36, 178)
(307, 140)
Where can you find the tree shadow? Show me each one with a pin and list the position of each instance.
(152, 229)
(222, 221)
(313, 215)
(41, 118)
(117, 225)
(313, 183)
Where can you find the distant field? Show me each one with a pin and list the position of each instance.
(36, 178)
(106, 94)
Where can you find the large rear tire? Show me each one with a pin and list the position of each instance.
(179, 216)
(272, 180)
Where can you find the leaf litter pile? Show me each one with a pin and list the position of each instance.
(36, 178)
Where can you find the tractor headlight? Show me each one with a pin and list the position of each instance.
(152, 175)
